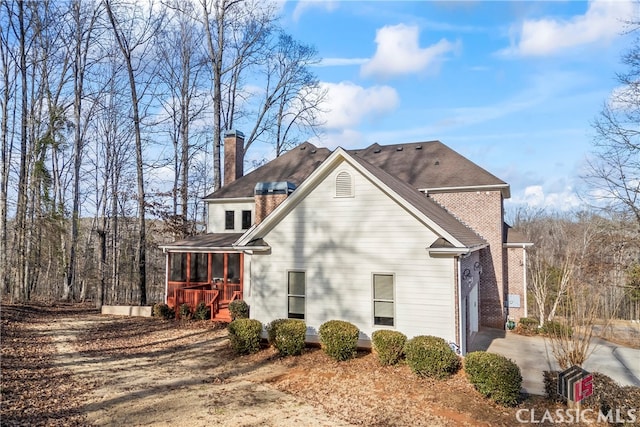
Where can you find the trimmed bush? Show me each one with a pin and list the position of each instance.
(202, 312)
(163, 310)
(430, 356)
(527, 326)
(238, 309)
(494, 376)
(388, 345)
(339, 339)
(272, 327)
(290, 337)
(244, 335)
(554, 328)
(185, 311)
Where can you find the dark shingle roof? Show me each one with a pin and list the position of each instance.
(422, 165)
(425, 205)
(208, 241)
(427, 165)
(294, 166)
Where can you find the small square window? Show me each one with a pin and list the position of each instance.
(246, 220)
(229, 220)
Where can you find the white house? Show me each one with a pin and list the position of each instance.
(407, 237)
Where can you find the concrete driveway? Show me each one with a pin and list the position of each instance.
(534, 355)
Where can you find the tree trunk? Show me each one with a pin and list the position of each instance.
(142, 239)
(21, 276)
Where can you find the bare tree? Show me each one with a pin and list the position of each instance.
(234, 32)
(613, 173)
(291, 98)
(181, 72)
(9, 75)
(133, 37)
(586, 292)
(247, 50)
(84, 17)
(550, 263)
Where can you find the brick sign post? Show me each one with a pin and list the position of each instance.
(575, 384)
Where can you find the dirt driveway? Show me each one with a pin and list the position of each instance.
(64, 366)
(172, 377)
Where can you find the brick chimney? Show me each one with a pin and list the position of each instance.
(233, 156)
(268, 195)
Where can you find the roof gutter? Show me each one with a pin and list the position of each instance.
(504, 189)
(201, 249)
(456, 251)
(517, 245)
(228, 200)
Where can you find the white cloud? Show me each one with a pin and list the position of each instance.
(348, 104)
(601, 23)
(625, 98)
(304, 6)
(399, 52)
(534, 196)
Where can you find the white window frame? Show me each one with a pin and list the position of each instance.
(374, 299)
(303, 296)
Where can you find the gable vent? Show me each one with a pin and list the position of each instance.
(344, 184)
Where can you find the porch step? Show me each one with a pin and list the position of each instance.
(223, 316)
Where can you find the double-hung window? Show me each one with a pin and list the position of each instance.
(229, 220)
(246, 220)
(383, 300)
(296, 291)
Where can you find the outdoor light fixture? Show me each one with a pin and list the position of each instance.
(477, 267)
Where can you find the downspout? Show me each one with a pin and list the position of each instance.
(462, 341)
(166, 278)
(524, 279)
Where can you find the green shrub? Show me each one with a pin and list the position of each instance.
(163, 310)
(556, 329)
(528, 326)
(202, 312)
(272, 327)
(388, 345)
(244, 335)
(238, 309)
(339, 339)
(430, 356)
(185, 311)
(494, 376)
(290, 337)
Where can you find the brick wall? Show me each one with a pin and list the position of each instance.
(482, 211)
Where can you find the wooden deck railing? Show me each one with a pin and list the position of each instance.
(213, 298)
(193, 297)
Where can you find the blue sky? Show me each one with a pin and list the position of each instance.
(513, 86)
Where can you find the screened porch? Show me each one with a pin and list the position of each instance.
(215, 278)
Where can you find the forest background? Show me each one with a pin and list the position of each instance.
(100, 97)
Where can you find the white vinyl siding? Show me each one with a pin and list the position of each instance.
(217, 215)
(339, 243)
